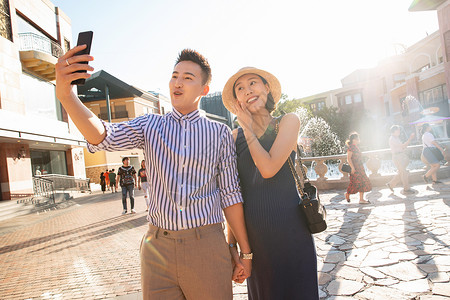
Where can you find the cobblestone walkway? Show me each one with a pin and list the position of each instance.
(395, 248)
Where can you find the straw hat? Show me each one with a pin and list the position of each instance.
(228, 98)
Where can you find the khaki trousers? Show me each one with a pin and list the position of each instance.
(186, 264)
(401, 161)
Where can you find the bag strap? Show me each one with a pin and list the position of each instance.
(293, 171)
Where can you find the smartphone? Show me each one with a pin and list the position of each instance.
(84, 38)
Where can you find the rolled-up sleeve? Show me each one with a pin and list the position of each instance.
(122, 136)
(228, 180)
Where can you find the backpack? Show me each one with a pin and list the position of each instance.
(126, 175)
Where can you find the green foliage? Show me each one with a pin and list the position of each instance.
(287, 106)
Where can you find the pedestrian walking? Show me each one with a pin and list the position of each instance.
(103, 182)
(433, 153)
(359, 182)
(191, 164)
(112, 181)
(142, 183)
(400, 160)
(127, 180)
(285, 264)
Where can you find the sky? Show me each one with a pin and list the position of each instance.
(309, 45)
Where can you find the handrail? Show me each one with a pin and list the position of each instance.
(43, 187)
(373, 163)
(66, 182)
(32, 41)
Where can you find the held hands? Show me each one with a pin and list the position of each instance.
(353, 170)
(242, 268)
(66, 69)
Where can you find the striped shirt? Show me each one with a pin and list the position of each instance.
(191, 166)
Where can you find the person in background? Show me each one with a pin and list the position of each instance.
(112, 181)
(400, 160)
(127, 180)
(433, 153)
(359, 182)
(103, 182)
(107, 179)
(142, 183)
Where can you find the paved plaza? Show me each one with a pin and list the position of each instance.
(395, 248)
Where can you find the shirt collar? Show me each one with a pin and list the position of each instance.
(191, 117)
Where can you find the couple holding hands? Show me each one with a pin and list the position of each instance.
(200, 171)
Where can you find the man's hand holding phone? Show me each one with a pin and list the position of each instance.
(72, 67)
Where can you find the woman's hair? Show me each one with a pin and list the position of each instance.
(424, 128)
(394, 128)
(352, 136)
(270, 103)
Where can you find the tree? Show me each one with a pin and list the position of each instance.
(286, 106)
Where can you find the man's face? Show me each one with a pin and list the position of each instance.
(125, 162)
(186, 86)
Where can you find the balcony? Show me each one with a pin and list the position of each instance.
(39, 55)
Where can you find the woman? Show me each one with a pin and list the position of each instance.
(359, 182)
(432, 152)
(284, 259)
(142, 182)
(103, 182)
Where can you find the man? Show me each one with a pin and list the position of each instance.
(112, 181)
(192, 168)
(400, 160)
(126, 175)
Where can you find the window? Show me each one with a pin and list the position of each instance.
(315, 107)
(48, 162)
(120, 111)
(351, 99)
(5, 20)
(348, 99)
(40, 98)
(433, 95)
(66, 45)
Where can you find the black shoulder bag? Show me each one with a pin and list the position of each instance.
(309, 204)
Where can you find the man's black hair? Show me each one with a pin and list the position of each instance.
(195, 57)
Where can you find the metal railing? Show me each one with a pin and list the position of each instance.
(43, 187)
(373, 158)
(32, 41)
(65, 182)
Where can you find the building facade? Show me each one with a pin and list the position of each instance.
(409, 89)
(214, 109)
(36, 135)
(113, 100)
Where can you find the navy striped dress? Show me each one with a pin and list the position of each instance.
(284, 261)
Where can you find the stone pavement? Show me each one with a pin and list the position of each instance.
(395, 248)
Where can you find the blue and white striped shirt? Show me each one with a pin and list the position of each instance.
(191, 166)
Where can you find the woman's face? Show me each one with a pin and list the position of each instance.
(251, 92)
(356, 141)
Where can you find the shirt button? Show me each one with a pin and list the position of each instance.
(165, 233)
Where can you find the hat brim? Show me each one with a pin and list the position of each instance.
(228, 98)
